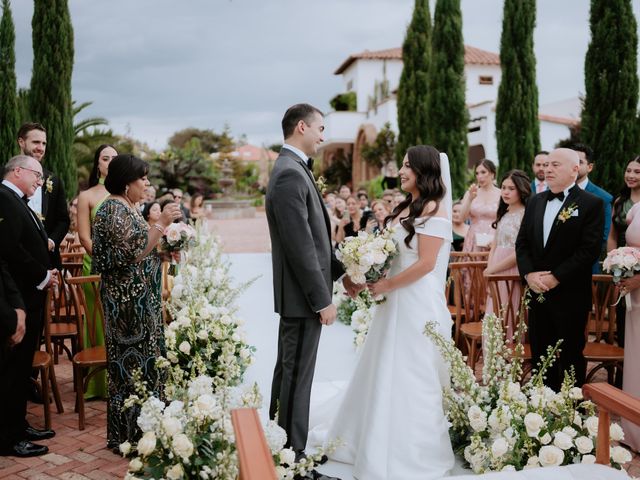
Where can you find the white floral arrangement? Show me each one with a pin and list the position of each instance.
(367, 256)
(177, 237)
(356, 312)
(501, 425)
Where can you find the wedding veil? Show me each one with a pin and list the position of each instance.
(447, 201)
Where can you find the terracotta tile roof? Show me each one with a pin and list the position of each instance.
(569, 122)
(251, 153)
(472, 55)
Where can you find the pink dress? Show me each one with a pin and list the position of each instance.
(631, 376)
(506, 235)
(482, 215)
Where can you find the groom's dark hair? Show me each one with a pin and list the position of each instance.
(295, 113)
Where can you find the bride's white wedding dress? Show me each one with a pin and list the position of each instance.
(391, 419)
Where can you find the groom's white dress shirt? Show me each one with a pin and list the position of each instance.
(298, 152)
(551, 211)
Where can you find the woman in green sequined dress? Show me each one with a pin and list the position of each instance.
(125, 254)
(88, 203)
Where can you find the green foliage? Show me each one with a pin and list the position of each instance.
(609, 117)
(344, 102)
(22, 106)
(8, 107)
(50, 97)
(374, 187)
(517, 124)
(413, 89)
(382, 150)
(446, 109)
(246, 176)
(210, 141)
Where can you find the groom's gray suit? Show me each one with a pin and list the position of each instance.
(304, 267)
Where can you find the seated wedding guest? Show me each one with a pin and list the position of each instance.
(586, 166)
(363, 200)
(459, 228)
(480, 204)
(151, 212)
(344, 192)
(538, 185)
(24, 249)
(628, 197)
(88, 203)
(374, 222)
(349, 225)
(515, 191)
(631, 376)
(197, 206)
(125, 255)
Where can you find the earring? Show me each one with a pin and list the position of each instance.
(126, 190)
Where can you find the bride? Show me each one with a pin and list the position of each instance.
(391, 421)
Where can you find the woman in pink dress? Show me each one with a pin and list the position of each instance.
(516, 189)
(631, 376)
(480, 204)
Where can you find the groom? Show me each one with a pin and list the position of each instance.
(559, 239)
(304, 267)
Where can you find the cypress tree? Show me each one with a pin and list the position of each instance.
(8, 108)
(412, 90)
(517, 123)
(609, 122)
(446, 109)
(50, 96)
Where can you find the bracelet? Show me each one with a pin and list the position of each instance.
(158, 227)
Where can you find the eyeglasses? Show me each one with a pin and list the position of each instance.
(38, 175)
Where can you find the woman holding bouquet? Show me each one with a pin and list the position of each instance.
(125, 254)
(88, 203)
(391, 420)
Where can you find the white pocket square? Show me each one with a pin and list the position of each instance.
(574, 213)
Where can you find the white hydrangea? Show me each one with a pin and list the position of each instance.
(182, 446)
(147, 444)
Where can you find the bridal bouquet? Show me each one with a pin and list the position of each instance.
(623, 262)
(356, 312)
(177, 237)
(367, 257)
(501, 425)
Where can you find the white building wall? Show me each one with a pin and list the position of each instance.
(475, 91)
(552, 133)
(363, 75)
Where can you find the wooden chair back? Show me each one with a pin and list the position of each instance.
(506, 293)
(92, 316)
(468, 256)
(469, 303)
(602, 321)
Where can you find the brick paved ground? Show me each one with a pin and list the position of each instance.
(78, 455)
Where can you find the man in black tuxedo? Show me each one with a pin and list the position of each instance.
(559, 239)
(23, 246)
(12, 317)
(49, 200)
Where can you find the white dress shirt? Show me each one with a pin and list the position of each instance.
(551, 212)
(35, 201)
(541, 186)
(298, 152)
(583, 184)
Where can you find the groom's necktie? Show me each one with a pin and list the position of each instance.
(559, 196)
(310, 163)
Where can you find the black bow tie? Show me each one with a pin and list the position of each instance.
(559, 196)
(310, 163)
(25, 199)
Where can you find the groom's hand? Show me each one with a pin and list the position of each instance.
(550, 280)
(538, 281)
(328, 315)
(353, 289)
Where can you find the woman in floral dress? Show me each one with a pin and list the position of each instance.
(124, 253)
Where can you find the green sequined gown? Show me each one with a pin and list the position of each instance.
(131, 297)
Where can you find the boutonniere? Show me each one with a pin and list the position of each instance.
(321, 183)
(49, 185)
(568, 212)
(40, 216)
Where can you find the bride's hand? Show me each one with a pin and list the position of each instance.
(381, 287)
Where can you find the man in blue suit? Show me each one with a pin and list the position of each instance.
(586, 166)
(538, 185)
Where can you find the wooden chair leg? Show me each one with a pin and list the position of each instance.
(44, 378)
(55, 391)
(472, 354)
(55, 352)
(79, 396)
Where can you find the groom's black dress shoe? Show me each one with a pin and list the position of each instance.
(25, 448)
(35, 434)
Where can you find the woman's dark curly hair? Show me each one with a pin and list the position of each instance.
(424, 161)
(523, 185)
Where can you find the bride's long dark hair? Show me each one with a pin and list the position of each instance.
(424, 161)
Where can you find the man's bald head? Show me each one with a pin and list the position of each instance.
(561, 169)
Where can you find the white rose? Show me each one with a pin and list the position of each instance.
(534, 423)
(550, 456)
(171, 426)
(202, 334)
(575, 393)
(147, 444)
(592, 426)
(577, 419)
(545, 439)
(532, 462)
(588, 459)
(125, 448)
(185, 347)
(616, 433)
(182, 446)
(620, 455)
(288, 456)
(477, 418)
(562, 440)
(135, 465)
(499, 447)
(206, 405)
(508, 468)
(570, 431)
(537, 400)
(584, 444)
(175, 473)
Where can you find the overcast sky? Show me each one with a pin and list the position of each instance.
(152, 67)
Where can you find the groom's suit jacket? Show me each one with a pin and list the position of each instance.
(571, 249)
(304, 264)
